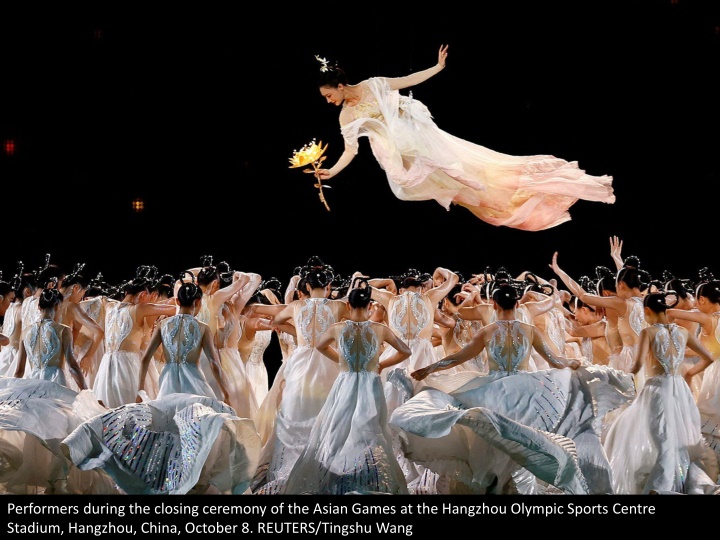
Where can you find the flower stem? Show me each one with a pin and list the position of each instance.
(320, 187)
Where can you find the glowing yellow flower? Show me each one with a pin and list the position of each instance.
(310, 153)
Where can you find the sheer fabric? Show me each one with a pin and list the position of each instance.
(350, 445)
(423, 162)
(177, 444)
(652, 442)
(513, 430)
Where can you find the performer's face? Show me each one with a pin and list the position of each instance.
(332, 95)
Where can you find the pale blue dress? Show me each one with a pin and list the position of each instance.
(350, 446)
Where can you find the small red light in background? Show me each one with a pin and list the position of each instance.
(98, 33)
(9, 147)
(138, 205)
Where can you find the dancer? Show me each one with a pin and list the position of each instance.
(307, 375)
(162, 291)
(7, 297)
(116, 381)
(216, 296)
(39, 410)
(350, 445)
(47, 345)
(707, 316)
(685, 291)
(255, 337)
(411, 314)
(478, 428)
(422, 162)
(94, 304)
(630, 282)
(71, 314)
(183, 337)
(229, 326)
(652, 443)
(590, 326)
(457, 332)
(11, 327)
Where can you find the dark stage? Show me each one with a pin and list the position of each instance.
(198, 114)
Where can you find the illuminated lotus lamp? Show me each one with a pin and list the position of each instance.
(311, 154)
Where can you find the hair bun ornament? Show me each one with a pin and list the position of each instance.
(323, 63)
(632, 261)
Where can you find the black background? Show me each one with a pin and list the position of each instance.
(197, 111)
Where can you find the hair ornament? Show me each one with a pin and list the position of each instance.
(76, 270)
(705, 274)
(632, 261)
(323, 63)
(225, 271)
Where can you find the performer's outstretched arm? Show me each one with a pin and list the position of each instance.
(398, 83)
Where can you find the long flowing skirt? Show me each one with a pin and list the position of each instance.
(423, 162)
(653, 441)
(398, 387)
(512, 433)
(183, 379)
(308, 378)
(708, 402)
(35, 416)
(178, 444)
(242, 397)
(116, 382)
(350, 445)
(8, 361)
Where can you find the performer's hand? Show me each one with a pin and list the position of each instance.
(554, 263)
(616, 251)
(320, 174)
(420, 374)
(85, 365)
(573, 363)
(442, 55)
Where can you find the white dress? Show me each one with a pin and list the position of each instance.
(708, 399)
(409, 316)
(462, 333)
(174, 445)
(35, 416)
(423, 162)
(255, 367)
(30, 313)
(308, 377)
(349, 448)
(8, 353)
(43, 347)
(652, 442)
(180, 335)
(242, 398)
(36, 413)
(478, 429)
(116, 382)
(95, 309)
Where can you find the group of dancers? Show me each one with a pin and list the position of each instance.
(414, 384)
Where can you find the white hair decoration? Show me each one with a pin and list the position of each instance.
(323, 63)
